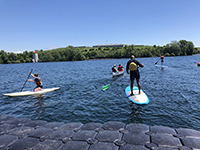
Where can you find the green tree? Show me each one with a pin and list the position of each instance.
(183, 46)
(190, 48)
(4, 57)
(175, 48)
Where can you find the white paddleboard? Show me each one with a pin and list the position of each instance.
(162, 66)
(25, 93)
(136, 97)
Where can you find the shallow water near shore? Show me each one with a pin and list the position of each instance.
(174, 92)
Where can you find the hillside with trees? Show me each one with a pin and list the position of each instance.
(70, 53)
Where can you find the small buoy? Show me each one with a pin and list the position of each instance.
(198, 64)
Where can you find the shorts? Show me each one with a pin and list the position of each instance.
(134, 74)
(41, 86)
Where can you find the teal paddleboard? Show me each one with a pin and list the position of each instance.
(136, 97)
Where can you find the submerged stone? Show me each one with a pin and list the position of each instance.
(162, 130)
(165, 140)
(113, 125)
(137, 127)
(71, 126)
(75, 145)
(108, 136)
(48, 145)
(91, 126)
(136, 138)
(133, 147)
(84, 135)
(40, 132)
(61, 134)
(25, 143)
(103, 146)
(36, 123)
(191, 142)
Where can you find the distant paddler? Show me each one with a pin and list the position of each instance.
(162, 60)
(37, 81)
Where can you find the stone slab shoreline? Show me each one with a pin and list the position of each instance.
(26, 134)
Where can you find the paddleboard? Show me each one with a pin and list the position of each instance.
(162, 66)
(25, 93)
(136, 97)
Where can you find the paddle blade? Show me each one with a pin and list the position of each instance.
(105, 87)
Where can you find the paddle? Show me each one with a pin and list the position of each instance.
(105, 87)
(26, 80)
(157, 61)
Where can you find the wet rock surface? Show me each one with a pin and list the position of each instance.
(22, 134)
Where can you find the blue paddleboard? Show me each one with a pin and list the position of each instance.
(136, 97)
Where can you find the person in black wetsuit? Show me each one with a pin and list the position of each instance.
(132, 65)
(37, 81)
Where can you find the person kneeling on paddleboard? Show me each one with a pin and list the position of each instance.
(37, 81)
(132, 65)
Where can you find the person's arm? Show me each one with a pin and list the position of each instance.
(30, 80)
(33, 75)
(116, 69)
(127, 66)
(141, 65)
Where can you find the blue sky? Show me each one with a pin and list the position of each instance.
(47, 24)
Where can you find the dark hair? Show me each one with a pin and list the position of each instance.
(36, 74)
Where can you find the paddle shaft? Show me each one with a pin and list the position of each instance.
(108, 85)
(26, 80)
(157, 61)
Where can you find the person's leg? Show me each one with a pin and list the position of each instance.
(139, 86)
(138, 81)
(132, 82)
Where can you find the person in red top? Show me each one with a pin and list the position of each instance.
(162, 60)
(120, 68)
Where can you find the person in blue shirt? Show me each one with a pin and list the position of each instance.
(114, 69)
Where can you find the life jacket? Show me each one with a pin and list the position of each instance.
(120, 68)
(133, 66)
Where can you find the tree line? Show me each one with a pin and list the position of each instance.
(70, 53)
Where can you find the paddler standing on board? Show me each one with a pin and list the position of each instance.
(132, 65)
(162, 60)
(37, 81)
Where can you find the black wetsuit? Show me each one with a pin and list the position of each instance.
(38, 83)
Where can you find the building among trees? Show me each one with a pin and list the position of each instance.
(110, 45)
(35, 57)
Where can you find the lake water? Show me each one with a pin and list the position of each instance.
(174, 92)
